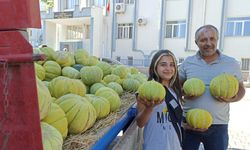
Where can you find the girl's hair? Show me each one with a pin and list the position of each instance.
(153, 75)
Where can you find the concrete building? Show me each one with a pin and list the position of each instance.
(133, 30)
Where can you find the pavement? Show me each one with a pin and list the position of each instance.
(239, 124)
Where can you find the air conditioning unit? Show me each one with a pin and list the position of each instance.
(119, 7)
(142, 21)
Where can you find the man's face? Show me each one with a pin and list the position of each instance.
(207, 42)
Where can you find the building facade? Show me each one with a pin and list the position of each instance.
(131, 31)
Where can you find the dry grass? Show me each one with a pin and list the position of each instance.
(86, 139)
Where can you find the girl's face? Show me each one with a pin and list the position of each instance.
(166, 68)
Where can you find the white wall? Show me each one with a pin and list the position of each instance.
(51, 34)
(83, 3)
(238, 47)
(176, 10)
(96, 13)
(238, 8)
(62, 32)
(123, 48)
(213, 8)
(148, 35)
(177, 46)
(56, 6)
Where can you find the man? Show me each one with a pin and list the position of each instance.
(205, 65)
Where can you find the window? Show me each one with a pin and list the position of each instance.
(30, 33)
(74, 32)
(129, 1)
(238, 27)
(125, 1)
(181, 60)
(245, 63)
(175, 29)
(130, 60)
(87, 31)
(125, 31)
(118, 58)
(99, 3)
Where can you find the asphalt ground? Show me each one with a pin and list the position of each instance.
(239, 124)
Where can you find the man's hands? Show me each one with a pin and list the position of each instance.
(227, 100)
(186, 126)
(189, 97)
(236, 98)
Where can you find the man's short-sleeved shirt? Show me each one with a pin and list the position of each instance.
(196, 67)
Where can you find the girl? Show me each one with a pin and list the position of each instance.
(161, 120)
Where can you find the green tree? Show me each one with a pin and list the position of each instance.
(49, 3)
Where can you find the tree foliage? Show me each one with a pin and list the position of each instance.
(49, 3)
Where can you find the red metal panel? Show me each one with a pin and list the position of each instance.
(15, 14)
(19, 111)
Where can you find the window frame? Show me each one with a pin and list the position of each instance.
(176, 29)
(124, 31)
(245, 64)
(232, 24)
(74, 32)
(87, 31)
(180, 60)
(128, 2)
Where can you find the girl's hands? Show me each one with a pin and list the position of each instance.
(190, 97)
(149, 103)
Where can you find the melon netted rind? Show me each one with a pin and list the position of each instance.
(91, 74)
(40, 71)
(44, 99)
(116, 87)
(57, 118)
(106, 68)
(95, 87)
(51, 137)
(81, 56)
(61, 85)
(130, 85)
(199, 118)
(111, 96)
(101, 105)
(80, 113)
(224, 85)
(52, 70)
(71, 72)
(152, 90)
(121, 71)
(194, 87)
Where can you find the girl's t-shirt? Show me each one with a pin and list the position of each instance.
(159, 133)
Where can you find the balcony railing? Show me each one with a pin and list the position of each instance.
(136, 62)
